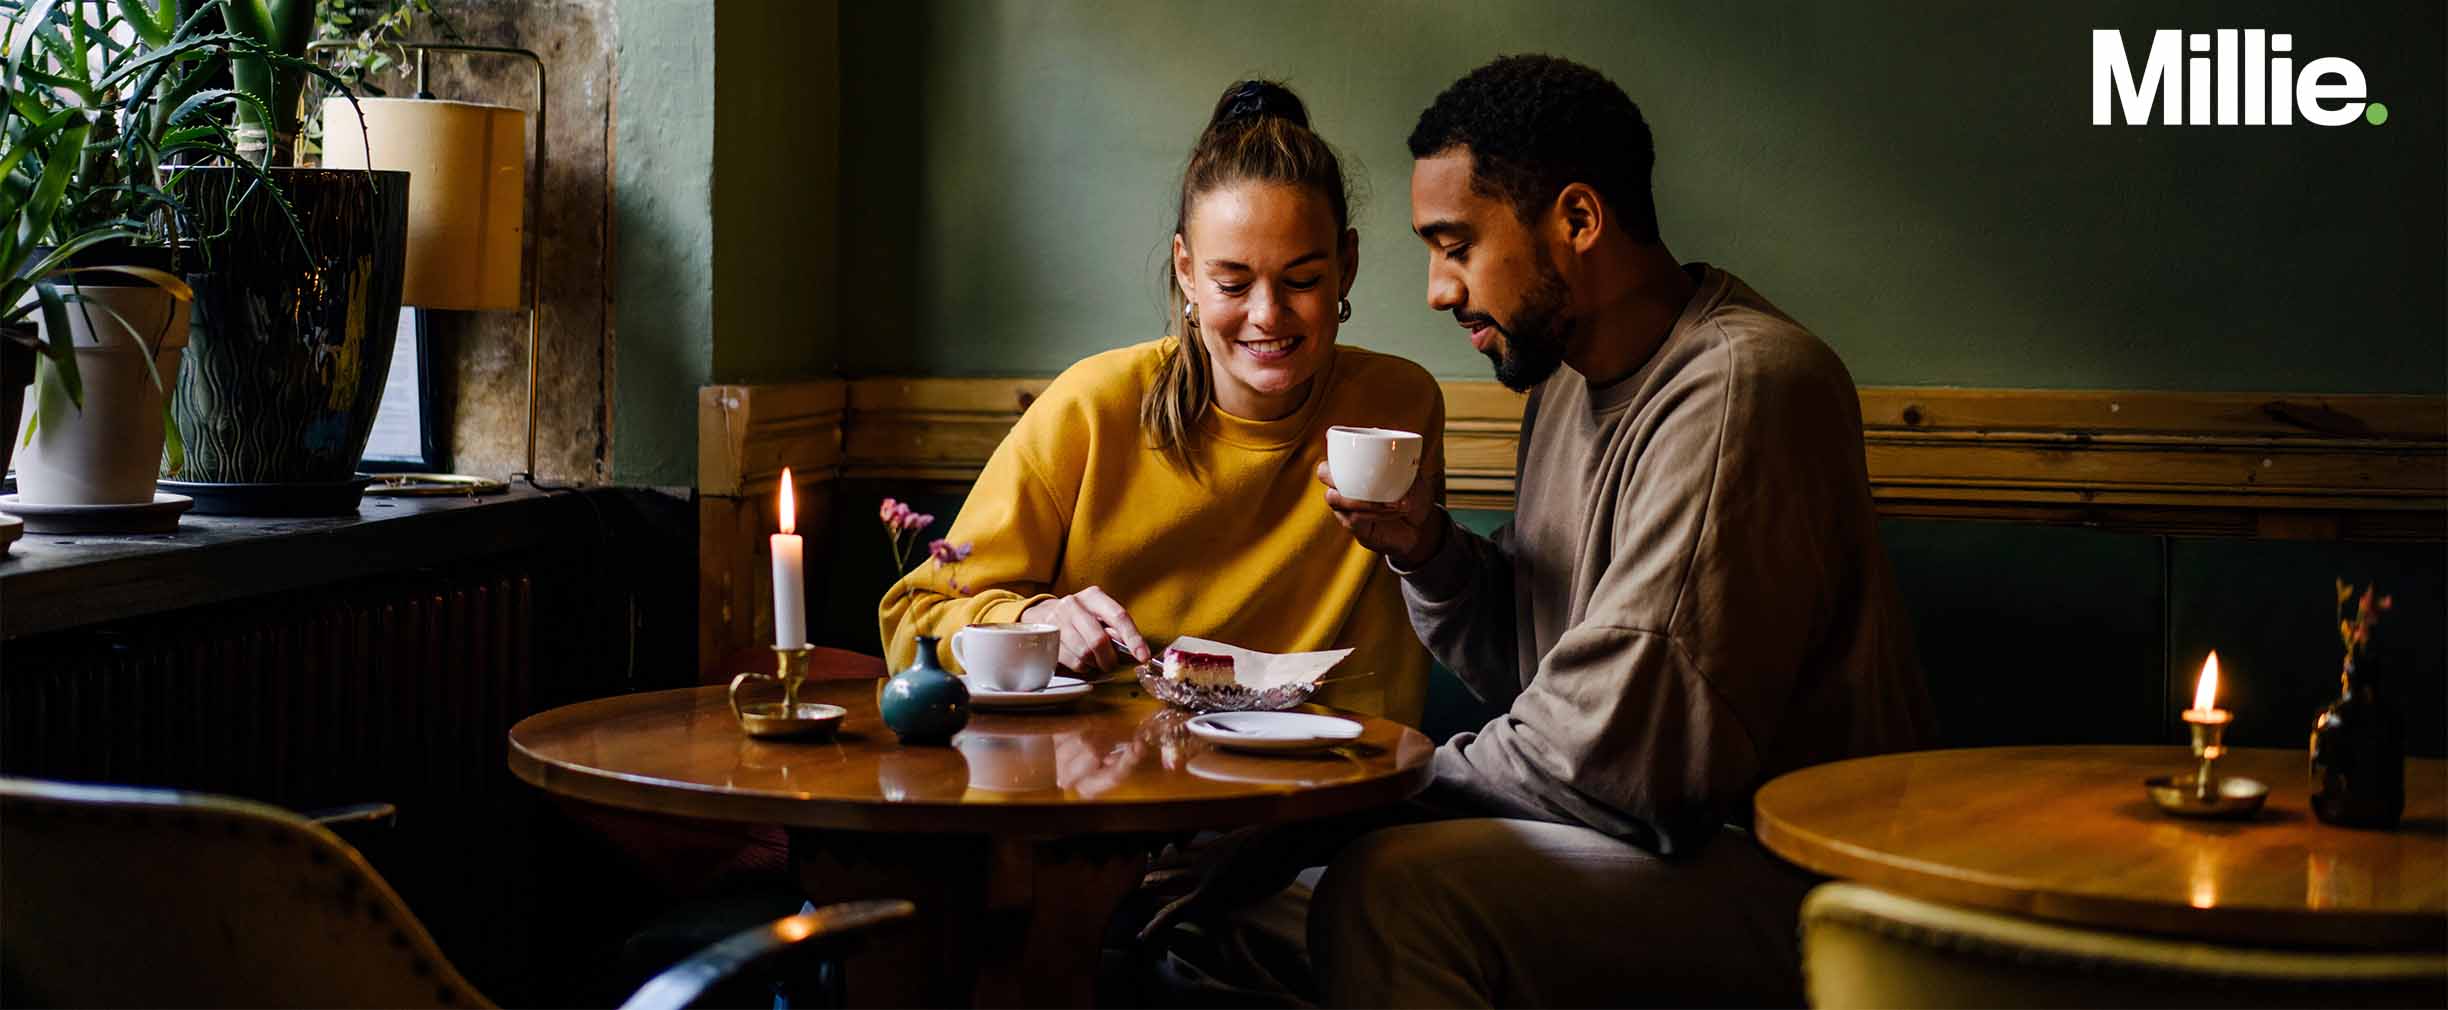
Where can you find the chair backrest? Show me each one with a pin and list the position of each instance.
(1863, 947)
(143, 897)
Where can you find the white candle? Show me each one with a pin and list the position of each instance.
(789, 575)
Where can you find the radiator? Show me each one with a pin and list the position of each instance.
(400, 689)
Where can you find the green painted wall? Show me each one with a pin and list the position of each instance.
(777, 170)
(662, 187)
(1918, 182)
(726, 179)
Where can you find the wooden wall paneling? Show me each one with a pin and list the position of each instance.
(746, 435)
(2259, 465)
(931, 429)
(2269, 465)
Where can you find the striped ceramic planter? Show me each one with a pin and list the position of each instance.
(293, 327)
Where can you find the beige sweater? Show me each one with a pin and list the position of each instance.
(1691, 598)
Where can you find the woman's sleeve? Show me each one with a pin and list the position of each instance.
(1015, 526)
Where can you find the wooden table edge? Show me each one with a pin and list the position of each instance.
(1827, 857)
(682, 799)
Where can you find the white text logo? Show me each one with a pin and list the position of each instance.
(2229, 77)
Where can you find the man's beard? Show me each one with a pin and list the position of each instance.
(1533, 347)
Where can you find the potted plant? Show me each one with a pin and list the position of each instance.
(297, 288)
(81, 283)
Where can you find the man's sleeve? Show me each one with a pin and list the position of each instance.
(1461, 606)
(1649, 718)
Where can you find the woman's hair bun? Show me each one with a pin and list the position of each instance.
(1255, 100)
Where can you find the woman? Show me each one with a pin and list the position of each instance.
(1164, 489)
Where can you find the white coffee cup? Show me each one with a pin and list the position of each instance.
(1372, 464)
(1009, 657)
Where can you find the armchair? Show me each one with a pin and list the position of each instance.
(120, 896)
(1863, 947)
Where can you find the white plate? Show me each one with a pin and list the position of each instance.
(1061, 690)
(1273, 731)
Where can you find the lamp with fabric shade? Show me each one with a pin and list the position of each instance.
(467, 166)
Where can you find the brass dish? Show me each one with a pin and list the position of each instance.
(432, 485)
(790, 717)
(2230, 797)
(771, 720)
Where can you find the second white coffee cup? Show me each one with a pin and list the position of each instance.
(1008, 657)
(1372, 464)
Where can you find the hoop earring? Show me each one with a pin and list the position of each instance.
(1343, 311)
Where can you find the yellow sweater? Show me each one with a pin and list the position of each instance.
(1245, 553)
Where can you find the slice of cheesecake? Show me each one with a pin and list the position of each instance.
(1200, 669)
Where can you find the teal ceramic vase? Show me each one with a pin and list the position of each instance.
(925, 704)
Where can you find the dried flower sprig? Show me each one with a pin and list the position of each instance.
(902, 524)
(2359, 618)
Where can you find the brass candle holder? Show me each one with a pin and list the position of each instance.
(2204, 793)
(789, 717)
(2209, 744)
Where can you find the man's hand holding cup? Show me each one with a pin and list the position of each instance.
(1377, 489)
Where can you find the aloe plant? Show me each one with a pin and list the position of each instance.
(94, 99)
(274, 69)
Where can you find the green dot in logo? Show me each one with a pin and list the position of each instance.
(2375, 113)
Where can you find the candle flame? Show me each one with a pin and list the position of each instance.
(2205, 692)
(789, 505)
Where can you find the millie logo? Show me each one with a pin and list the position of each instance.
(2247, 81)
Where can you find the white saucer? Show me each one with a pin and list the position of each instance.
(1059, 691)
(161, 515)
(1273, 731)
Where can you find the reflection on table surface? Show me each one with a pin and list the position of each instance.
(1115, 748)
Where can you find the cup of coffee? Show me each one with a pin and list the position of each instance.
(1008, 657)
(1372, 464)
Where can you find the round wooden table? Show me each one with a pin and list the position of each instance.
(2067, 833)
(1017, 842)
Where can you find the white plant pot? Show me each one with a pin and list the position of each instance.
(109, 453)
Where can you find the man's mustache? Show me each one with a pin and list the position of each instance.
(1476, 319)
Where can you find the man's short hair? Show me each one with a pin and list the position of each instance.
(1535, 124)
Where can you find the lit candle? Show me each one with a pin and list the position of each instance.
(789, 575)
(2209, 726)
(2205, 708)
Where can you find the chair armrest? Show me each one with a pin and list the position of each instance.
(806, 934)
(352, 814)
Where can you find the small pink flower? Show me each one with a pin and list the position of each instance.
(885, 511)
(920, 522)
(946, 552)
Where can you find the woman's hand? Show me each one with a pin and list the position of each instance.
(1092, 625)
(1406, 530)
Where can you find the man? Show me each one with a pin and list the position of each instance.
(1691, 598)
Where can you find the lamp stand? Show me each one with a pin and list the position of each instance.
(429, 484)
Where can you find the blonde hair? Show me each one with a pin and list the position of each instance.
(1258, 133)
